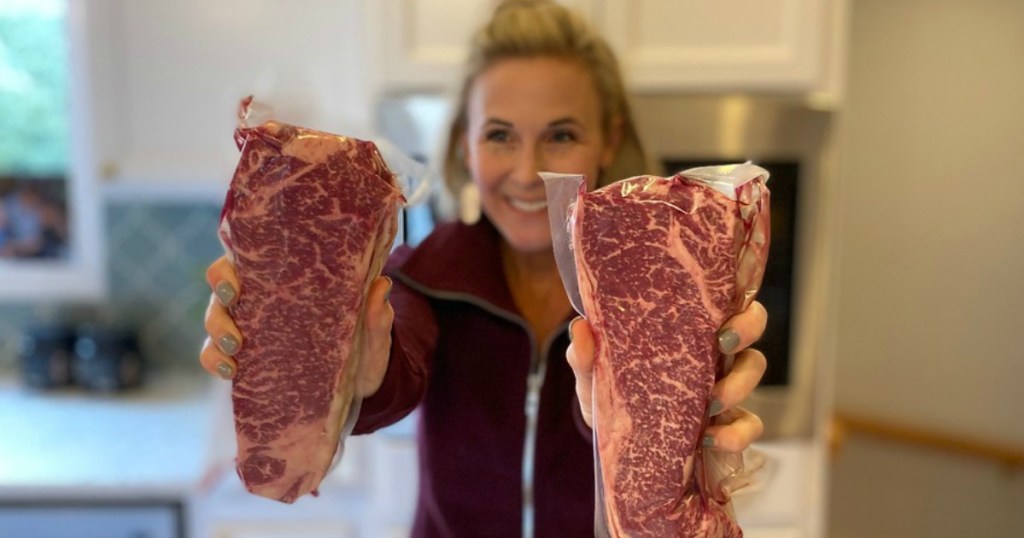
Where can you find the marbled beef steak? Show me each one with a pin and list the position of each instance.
(308, 221)
(662, 263)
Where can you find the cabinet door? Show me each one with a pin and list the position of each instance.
(394, 481)
(719, 45)
(283, 530)
(168, 77)
(423, 43)
(90, 521)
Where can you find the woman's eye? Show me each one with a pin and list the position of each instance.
(563, 136)
(497, 135)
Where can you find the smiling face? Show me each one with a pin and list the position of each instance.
(524, 116)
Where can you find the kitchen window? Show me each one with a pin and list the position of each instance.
(49, 247)
(34, 148)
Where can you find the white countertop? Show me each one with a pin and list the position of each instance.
(172, 440)
(71, 444)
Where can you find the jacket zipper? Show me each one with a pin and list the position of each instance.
(534, 384)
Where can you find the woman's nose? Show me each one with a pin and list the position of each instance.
(529, 163)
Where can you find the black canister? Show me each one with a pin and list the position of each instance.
(106, 359)
(45, 356)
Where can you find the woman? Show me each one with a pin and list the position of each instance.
(473, 325)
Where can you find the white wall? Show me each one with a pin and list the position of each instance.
(931, 295)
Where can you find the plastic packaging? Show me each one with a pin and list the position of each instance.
(308, 222)
(415, 179)
(692, 249)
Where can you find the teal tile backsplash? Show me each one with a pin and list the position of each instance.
(157, 254)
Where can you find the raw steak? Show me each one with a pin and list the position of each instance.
(308, 222)
(662, 263)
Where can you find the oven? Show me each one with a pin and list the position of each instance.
(792, 140)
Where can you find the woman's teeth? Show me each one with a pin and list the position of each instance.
(529, 207)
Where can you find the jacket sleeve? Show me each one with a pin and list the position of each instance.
(413, 340)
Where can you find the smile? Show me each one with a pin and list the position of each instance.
(528, 207)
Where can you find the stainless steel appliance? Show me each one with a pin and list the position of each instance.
(793, 139)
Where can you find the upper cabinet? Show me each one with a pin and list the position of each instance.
(168, 77)
(165, 78)
(664, 45)
(668, 45)
(423, 43)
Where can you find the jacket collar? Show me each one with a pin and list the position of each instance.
(458, 260)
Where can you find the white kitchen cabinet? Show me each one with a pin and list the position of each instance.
(393, 483)
(224, 509)
(228, 511)
(283, 530)
(422, 44)
(669, 45)
(371, 493)
(90, 521)
(167, 78)
(663, 45)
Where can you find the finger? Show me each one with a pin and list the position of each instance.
(216, 362)
(378, 319)
(580, 355)
(743, 329)
(747, 371)
(379, 313)
(222, 328)
(223, 280)
(581, 347)
(736, 435)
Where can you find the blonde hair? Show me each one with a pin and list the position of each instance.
(539, 28)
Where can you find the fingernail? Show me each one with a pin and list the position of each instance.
(228, 344)
(708, 441)
(715, 408)
(728, 340)
(571, 323)
(387, 294)
(225, 293)
(225, 370)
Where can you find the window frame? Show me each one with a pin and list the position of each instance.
(81, 275)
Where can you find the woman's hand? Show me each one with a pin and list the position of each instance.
(734, 337)
(225, 339)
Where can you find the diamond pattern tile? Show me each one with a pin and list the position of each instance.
(157, 255)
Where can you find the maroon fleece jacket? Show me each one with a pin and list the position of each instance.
(462, 353)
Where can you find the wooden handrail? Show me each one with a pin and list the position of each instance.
(844, 423)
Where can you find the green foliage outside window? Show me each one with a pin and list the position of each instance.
(33, 88)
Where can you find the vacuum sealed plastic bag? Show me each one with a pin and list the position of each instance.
(657, 265)
(308, 222)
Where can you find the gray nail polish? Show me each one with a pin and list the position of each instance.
(715, 408)
(225, 370)
(728, 340)
(571, 323)
(387, 294)
(228, 344)
(225, 293)
(708, 441)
